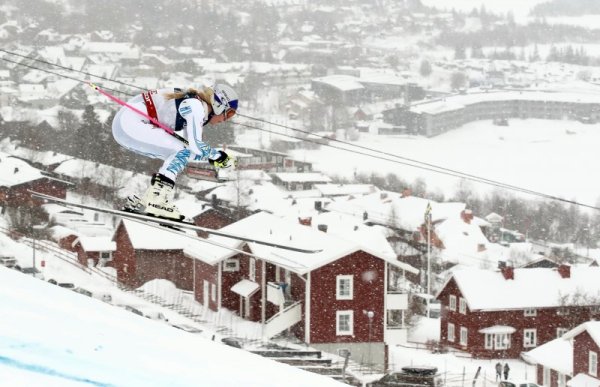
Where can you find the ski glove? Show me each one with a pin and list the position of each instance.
(223, 161)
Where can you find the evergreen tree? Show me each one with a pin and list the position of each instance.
(425, 68)
(88, 142)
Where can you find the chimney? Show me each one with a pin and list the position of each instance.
(365, 215)
(305, 221)
(322, 227)
(564, 271)
(214, 201)
(467, 216)
(508, 272)
(319, 205)
(16, 170)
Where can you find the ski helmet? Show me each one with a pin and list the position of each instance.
(224, 98)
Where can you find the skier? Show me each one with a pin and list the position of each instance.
(186, 112)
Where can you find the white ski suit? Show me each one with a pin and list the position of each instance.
(186, 116)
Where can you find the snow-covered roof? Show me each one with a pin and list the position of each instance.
(530, 288)
(345, 189)
(498, 329)
(556, 355)
(145, 237)
(591, 327)
(390, 208)
(270, 228)
(264, 196)
(583, 380)
(301, 177)
(245, 288)
(99, 243)
(14, 171)
(341, 82)
(458, 102)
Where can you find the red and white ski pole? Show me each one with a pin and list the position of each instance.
(138, 111)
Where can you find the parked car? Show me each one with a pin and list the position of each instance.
(8, 261)
(232, 342)
(147, 311)
(83, 291)
(410, 376)
(30, 270)
(133, 309)
(187, 328)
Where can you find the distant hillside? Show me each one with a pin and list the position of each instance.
(567, 8)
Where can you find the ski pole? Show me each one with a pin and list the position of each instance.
(153, 120)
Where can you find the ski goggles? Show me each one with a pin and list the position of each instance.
(228, 113)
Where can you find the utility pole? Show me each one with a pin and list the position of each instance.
(428, 223)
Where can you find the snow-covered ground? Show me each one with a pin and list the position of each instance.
(459, 370)
(558, 158)
(51, 336)
(453, 367)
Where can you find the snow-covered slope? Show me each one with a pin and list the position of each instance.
(50, 336)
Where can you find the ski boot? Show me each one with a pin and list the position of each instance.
(157, 201)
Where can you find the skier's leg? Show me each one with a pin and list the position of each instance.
(133, 133)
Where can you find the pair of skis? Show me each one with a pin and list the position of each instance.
(170, 225)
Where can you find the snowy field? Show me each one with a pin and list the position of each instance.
(558, 158)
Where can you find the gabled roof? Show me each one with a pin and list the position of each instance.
(583, 380)
(14, 171)
(270, 228)
(530, 288)
(94, 244)
(591, 327)
(145, 237)
(556, 355)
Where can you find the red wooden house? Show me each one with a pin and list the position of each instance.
(494, 314)
(17, 178)
(144, 253)
(586, 354)
(92, 251)
(575, 353)
(337, 299)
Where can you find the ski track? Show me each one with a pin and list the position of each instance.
(49, 372)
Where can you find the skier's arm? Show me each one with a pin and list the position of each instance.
(192, 110)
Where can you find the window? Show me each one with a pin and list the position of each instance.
(452, 303)
(593, 364)
(106, 255)
(489, 341)
(252, 270)
(562, 380)
(530, 312)
(450, 332)
(529, 338)
(463, 335)
(231, 264)
(560, 332)
(462, 306)
(344, 323)
(497, 340)
(562, 311)
(344, 287)
(546, 377)
(213, 292)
